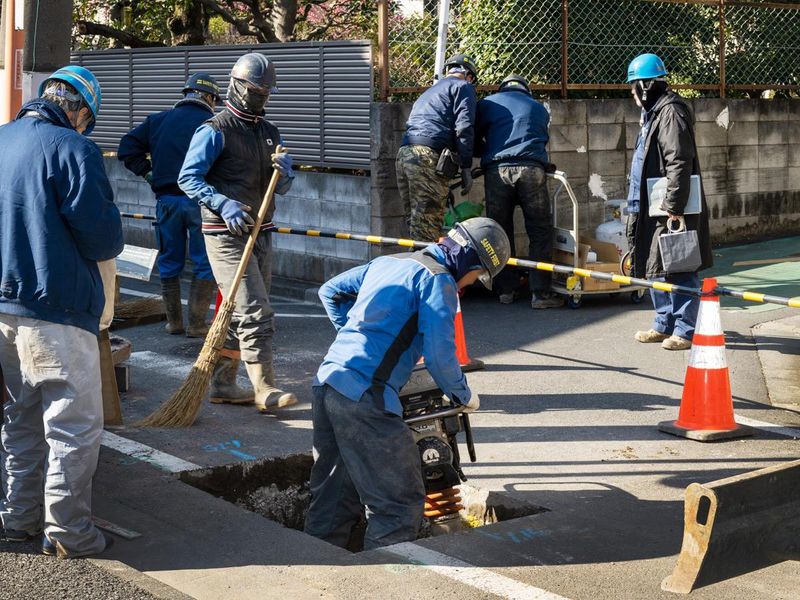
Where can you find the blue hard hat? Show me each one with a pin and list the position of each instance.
(646, 66)
(84, 82)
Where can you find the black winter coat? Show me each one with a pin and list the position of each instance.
(669, 151)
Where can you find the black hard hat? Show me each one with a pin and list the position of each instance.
(516, 82)
(202, 82)
(257, 70)
(463, 61)
(488, 239)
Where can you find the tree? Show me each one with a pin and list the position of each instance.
(139, 23)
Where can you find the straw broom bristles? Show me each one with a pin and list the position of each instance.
(182, 408)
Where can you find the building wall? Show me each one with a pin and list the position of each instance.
(751, 175)
(329, 201)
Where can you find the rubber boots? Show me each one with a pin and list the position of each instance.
(267, 395)
(171, 292)
(224, 389)
(200, 296)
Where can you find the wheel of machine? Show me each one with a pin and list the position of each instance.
(574, 301)
(637, 296)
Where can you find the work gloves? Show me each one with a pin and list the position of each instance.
(473, 404)
(236, 216)
(466, 181)
(148, 177)
(283, 162)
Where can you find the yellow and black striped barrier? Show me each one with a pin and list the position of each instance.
(531, 264)
(542, 266)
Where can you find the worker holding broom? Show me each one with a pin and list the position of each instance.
(389, 313)
(58, 219)
(165, 136)
(227, 170)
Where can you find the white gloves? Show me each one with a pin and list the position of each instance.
(473, 404)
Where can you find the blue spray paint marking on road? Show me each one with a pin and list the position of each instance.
(230, 447)
(243, 455)
(514, 535)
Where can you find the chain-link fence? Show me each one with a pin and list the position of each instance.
(587, 44)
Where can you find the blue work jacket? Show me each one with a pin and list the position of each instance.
(444, 117)
(57, 219)
(402, 311)
(165, 136)
(511, 129)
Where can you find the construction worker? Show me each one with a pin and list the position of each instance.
(58, 219)
(227, 170)
(511, 135)
(165, 136)
(436, 146)
(665, 147)
(389, 313)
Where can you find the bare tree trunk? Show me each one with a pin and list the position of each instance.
(284, 18)
(189, 24)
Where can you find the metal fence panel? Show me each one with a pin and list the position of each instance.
(322, 109)
(587, 44)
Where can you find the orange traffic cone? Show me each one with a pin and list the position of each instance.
(467, 363)
(706, 411)
(218, 303)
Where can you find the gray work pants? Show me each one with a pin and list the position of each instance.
(524, 186)
(363, 456)
(253, 323)
(51, 431)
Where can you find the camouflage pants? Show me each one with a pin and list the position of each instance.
(422, 190)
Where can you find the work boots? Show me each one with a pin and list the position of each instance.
(224, 389)
(171, 292)
(200, 296)
(267, 395)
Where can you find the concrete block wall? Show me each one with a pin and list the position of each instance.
(330, 201)
(750, 173)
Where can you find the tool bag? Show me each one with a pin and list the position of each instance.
(679, 248)
(449, 164)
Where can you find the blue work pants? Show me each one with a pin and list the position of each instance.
(676, 314)
(363, 456)
(179, 221)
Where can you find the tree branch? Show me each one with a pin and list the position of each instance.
(242, 27)
(128, 39)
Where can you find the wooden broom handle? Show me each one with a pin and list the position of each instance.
(266, 202)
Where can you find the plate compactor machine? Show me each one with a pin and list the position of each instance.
(436, 421)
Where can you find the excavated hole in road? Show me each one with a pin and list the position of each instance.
(278, 489)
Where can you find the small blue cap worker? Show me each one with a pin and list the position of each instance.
(84, 82)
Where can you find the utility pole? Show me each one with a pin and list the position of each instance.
(48, 27)
(441, 38)
(13, 36)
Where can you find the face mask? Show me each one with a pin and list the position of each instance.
(248, 98)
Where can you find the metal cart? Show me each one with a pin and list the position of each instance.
(568, 240)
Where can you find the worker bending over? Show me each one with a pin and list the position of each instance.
(389, 313)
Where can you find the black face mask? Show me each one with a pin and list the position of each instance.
(246, 98)
(649, 92)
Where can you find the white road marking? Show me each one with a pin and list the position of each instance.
(138, 294)
(162, 460)
(463, 572)
(770, 427)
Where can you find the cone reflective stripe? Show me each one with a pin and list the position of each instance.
(706, 411)
(467, 364)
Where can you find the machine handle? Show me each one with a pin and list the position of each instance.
(468, 433)
(446, 412)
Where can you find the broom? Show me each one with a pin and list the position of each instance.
(182, 408)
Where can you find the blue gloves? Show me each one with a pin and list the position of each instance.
(283, 162)
(236, 216)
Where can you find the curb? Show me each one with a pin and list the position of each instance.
(145, 582)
